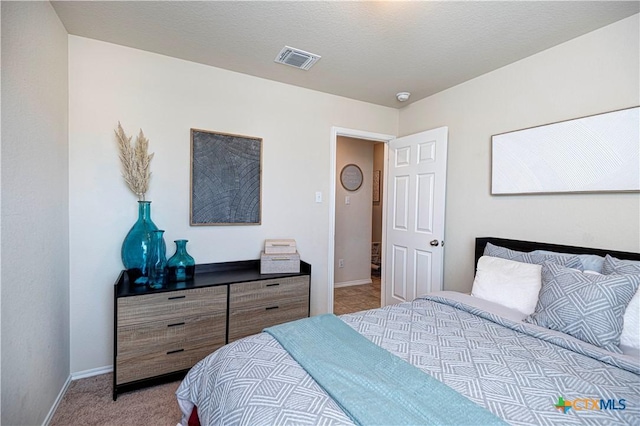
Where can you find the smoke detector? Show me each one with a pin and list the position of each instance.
(403, 96)
(296, 58)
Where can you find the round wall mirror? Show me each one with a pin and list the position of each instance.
(351, 177)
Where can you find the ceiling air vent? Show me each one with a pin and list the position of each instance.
(296, 58)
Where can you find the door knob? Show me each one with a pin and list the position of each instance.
(434, 243)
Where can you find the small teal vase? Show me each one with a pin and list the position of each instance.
(181, 265)
(136, 245)
(157, 260)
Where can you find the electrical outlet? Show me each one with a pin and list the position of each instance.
(340, 263)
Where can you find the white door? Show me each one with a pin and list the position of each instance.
(416, 182)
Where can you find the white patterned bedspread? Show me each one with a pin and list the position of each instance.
(517, 371)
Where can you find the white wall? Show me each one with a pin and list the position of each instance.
(353, 221)
(166, 97)
(591, 74)
(35, 233)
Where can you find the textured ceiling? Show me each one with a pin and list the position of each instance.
(370, 50)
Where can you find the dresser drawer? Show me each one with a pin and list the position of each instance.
(169, 334)
(256, 305)
(267, 292)
(150, 364)
(170, 305)
(246, 321)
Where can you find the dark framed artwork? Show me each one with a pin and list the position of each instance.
(226, 179)
(376, 186)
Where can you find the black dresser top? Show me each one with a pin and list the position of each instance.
(207, 275)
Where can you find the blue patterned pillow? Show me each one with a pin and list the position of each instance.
(590, 262)
(536, 258)
(613, 265)
(586, 306)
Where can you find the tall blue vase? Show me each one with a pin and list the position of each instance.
(136, 245)
(157, 260)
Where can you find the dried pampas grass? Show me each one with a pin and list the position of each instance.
(135, 162)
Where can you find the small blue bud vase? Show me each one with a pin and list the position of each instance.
(158, 260)
(136, 245)
(181, 265)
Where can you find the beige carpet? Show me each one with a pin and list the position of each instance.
(89, 402)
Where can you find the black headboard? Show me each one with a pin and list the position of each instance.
(528, 246)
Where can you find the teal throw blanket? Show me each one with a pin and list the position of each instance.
(371, 385)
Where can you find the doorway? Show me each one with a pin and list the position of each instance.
(358, 225)
(413, 219)
(342, 199)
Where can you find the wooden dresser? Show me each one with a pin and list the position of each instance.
(160, 334)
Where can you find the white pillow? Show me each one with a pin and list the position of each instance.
(631, 330)
(630, 335)
(512, 284)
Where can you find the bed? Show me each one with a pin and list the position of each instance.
(549, 335)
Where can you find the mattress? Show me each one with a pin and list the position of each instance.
(520, 372)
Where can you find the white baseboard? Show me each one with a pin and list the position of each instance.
(54, 407)
(350, 283)
(92, 372)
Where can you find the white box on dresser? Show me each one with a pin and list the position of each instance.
(280, 246)
(279, 263)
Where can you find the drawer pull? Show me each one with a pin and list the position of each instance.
(271, 307)
(176, 324)
(177, 297)
(272, 285)
(280, 258)
(175, 352)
